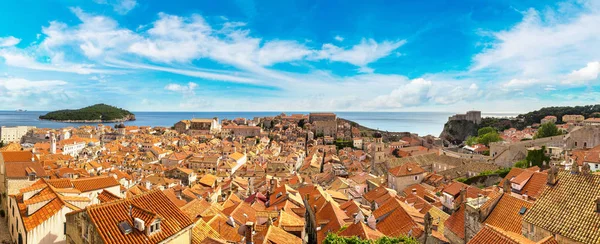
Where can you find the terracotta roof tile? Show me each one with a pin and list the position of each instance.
(94, 183)
(569, 207)
(406, 169)
(506, 214)
(490, 234)
(106, 217)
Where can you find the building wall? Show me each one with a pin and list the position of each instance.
(399, 183)
(583, 137)
(50, 231)
(13, 134)
(453, 238)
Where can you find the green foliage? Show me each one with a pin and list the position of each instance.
(536, 116)
(461, 179)
(301, 123)
(396, 153)
(486, 136)
(489, 138)
(340, 144)
(95, 112)
(471, 140)
(485, 130)
(537, 157)
(1, 143)
(335, 239)
(547, 130)
(521, 164)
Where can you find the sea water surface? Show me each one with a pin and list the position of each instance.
(422, 123)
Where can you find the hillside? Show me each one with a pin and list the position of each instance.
(94, 113)
(535, 116)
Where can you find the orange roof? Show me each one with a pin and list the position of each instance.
(490, 234)
(106, 217)
(18, 156)
(274, 234)
(407, 169)
(94, 183)
(506, 214)
(107, 196)
(456, 222)
(361, 231)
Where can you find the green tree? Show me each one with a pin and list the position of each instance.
(547, 130)
(485, 130)
(335, 239)
(521, 164)
(489, 138)
(471, 140)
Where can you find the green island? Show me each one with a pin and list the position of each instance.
(92, 114)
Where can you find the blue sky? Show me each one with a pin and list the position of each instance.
(233, 55)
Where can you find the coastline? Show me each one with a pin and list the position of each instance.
(90, 121)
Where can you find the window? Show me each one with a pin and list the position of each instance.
(65, 228)
(416, 177)
(575, 143)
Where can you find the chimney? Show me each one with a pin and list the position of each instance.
(248, 234)
(574, 168)
(372, 222)
(525, 196)
(506, 186)
(414, 191)
(130, 210)
(552, 175)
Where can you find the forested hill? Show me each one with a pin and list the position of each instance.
(535, 116)
(94, 113)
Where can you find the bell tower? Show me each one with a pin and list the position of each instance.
(52, 143)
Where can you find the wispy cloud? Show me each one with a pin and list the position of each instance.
(9, 41)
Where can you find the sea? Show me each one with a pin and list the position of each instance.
(422, 123)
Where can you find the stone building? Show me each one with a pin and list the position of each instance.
(312, 117)
(325, 128)
(13, 134)
(572, 118)
(405, 175)
(473, 116)
(583, 137)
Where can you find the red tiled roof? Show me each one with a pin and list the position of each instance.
(17, 156)
(456, 222)
(107, 216)
(490, 234)
(506, 214)
(94, 183)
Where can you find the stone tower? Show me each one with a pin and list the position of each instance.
(377, 153)
(52, 143)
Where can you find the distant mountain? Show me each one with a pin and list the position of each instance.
(95, 113)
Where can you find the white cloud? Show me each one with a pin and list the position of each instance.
(9, 41)
(18, 91)
(414, 93)
(339, 38)
(588, 73)
(422, 91)
(188, 89)
(521, 83)
(120, 6)
(16, 59)
(544, 44)
(362, 54)
(281, 51)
